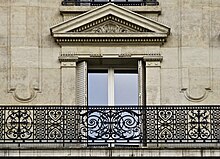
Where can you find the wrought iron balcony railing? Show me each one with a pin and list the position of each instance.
(102, 2)
(121, 125)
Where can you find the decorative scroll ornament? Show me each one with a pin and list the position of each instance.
(112, 125)
(110, 28)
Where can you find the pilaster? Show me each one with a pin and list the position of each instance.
(153, 83)
(68, 79)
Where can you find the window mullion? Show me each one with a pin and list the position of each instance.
(111, 86)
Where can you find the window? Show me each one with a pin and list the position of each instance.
(113, 87)
(98, 87)
(117, 83)
(122, 83)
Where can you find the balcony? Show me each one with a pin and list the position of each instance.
(102, 2)
(110, 126)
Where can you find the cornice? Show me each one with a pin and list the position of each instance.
(68, 58)
(137, 40)
(138, 9)
(153, 57)
(140, 38)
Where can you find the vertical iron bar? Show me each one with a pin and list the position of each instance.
(144, 122)
(33, 120)
(63, 124)
(157, 135)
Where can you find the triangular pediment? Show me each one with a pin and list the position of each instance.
(110, 22)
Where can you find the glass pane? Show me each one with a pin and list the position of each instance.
(98, 88)
(126, 88)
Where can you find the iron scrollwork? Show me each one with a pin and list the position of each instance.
(111, 125)
(19, 124)
(199, 124)
(165, 124)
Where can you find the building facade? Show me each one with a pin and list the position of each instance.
(110, 78)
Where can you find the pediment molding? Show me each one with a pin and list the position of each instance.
(110, 24)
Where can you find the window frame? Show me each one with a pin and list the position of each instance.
(98, 63)
(111, 72)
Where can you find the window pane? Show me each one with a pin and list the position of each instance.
(97, 88)
(126, 88)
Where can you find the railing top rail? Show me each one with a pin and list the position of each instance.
(99, 3)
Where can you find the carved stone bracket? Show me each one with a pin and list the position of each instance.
(68, 60)
(153, 60)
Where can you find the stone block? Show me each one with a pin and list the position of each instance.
(171, 87)
(18, 16)
(111, 50)
(4, 15)
(195, 30)
(195, 57)
(25, 57)
(215, 27)
(17, 41)
(170, 58)
(3, 34)
(216, 57)
(88, 50)
(18, 31)
(33, 17)
(19, 2)
(133, 50)
(4, 2)
(33, 37)
(50, 93)
(34, 3)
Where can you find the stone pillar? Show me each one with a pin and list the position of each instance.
(68, 79)
(153, 83)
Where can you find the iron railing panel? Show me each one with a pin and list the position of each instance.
(114, 125)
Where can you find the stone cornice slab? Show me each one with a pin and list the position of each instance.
(68, 58)
(153, 57)
(136, 9)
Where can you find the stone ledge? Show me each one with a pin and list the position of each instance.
(111, 152)
(83, 9)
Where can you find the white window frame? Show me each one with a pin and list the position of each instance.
(111, 83)
(82, 83)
